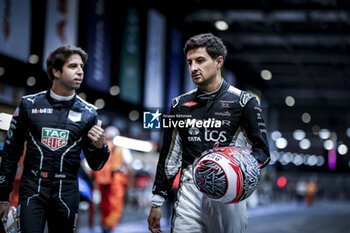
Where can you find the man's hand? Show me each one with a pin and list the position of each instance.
(97, 135)
(4, 210)
(154, 220)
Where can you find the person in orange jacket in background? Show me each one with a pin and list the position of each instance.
(113, 181)
(311, 190)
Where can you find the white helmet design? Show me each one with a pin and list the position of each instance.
(226, 174)
(12, 223)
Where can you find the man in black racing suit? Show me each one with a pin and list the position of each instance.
(226, 115)
(57, 127)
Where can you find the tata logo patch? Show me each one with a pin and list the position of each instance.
(54, 138)
(190, 104)
(193, 131)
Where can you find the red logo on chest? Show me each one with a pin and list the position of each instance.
(190, 104)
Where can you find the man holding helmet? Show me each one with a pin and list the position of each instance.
(231, 117)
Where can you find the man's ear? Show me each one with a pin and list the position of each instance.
(56, 72)
(219, 62)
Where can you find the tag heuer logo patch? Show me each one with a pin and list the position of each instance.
(54, 138)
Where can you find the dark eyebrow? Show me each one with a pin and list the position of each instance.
(75, 64)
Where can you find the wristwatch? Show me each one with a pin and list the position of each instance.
(155, 205)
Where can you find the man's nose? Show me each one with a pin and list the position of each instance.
(193, 67)
(80, 70)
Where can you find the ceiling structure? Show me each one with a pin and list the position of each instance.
(305, 44)
(306, 48)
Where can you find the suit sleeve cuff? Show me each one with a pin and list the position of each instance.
(157, 200)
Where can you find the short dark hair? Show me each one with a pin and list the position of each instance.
(214, 45)
(59, 56)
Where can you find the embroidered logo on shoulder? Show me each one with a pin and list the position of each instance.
(257, 109)
(190, 104)
(175, 102)
(244, 98)
(31, 100)
(74, 116)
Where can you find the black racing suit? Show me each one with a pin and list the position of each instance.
(56, 132)
(229, 116)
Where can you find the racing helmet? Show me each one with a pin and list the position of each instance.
(226, 174)
(12, 223)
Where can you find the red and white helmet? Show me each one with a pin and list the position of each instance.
(226, 174)
(12, 223)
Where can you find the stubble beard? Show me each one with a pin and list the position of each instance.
(203, 82)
